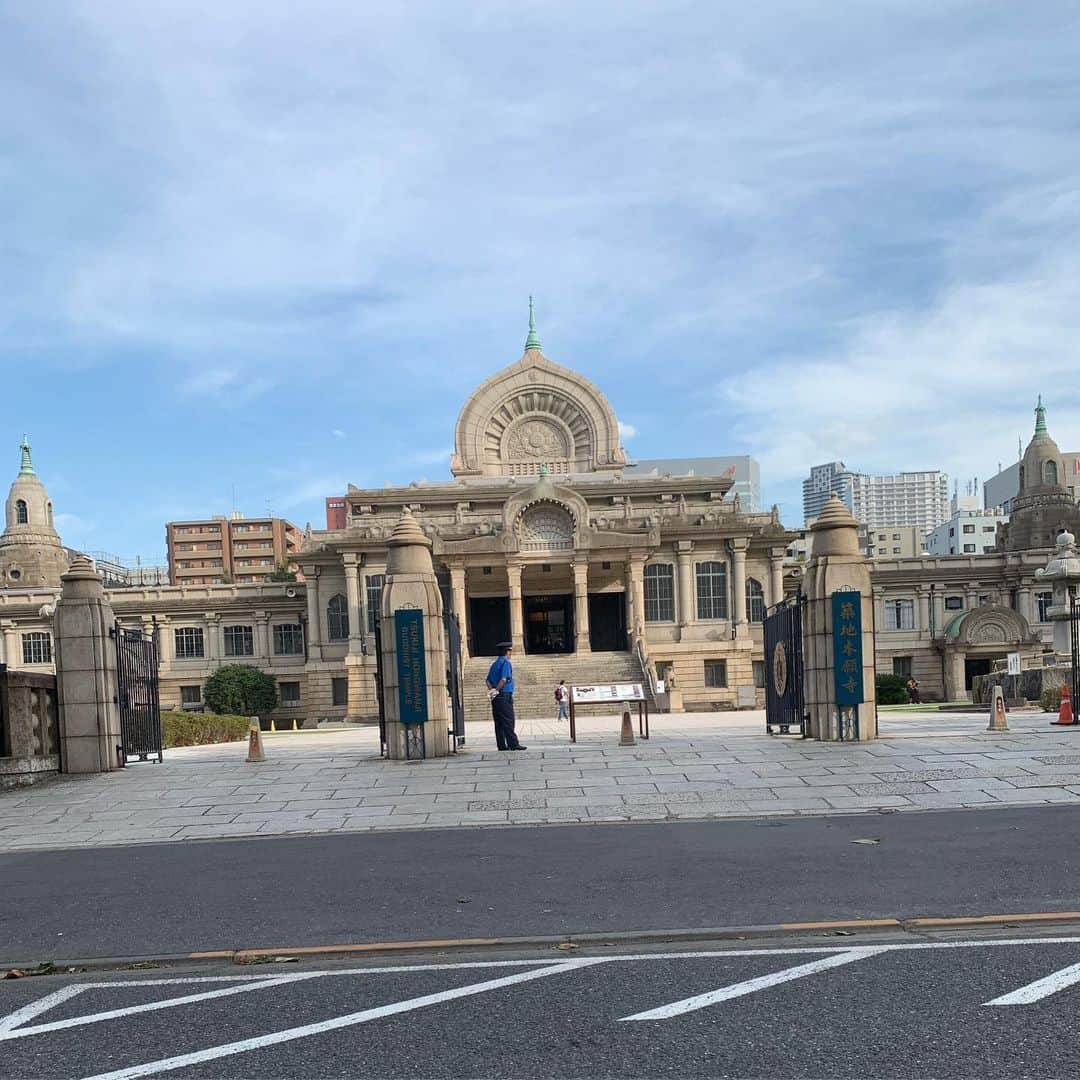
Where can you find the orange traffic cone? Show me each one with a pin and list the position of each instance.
(1065, 713)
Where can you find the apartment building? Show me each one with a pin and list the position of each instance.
(913, 499)
(219, 550)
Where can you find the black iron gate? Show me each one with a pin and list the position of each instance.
(137, 694)
(785, 708)
(454, 679)
(379, 699)
(1074, 627)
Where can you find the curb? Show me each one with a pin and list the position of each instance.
(841, 927)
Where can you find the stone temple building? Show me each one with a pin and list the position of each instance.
(544, 535)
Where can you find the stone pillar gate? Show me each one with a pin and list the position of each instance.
(85, 655)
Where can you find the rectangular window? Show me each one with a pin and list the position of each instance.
(716, 673)
(191, 698)
(239, 640)
(189, 642)
(899, 614)
(339, 691)
(288, 639)
(969, 548)
(954, 603)
(374, 584)
(759, 674)
(712, 590)
(660, 593)
(989, 528)
(901, 665)
(969, 528)
(1044, 600)
(37, 648)
(290, 694)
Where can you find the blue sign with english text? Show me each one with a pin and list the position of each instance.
(411, 666)
(847, 647)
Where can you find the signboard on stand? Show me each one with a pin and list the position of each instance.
(1013, 659)
(596, 695)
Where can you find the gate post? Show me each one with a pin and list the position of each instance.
(86, 673)
(837, 564)
(413, 648)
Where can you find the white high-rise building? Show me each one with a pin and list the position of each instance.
(908, 498)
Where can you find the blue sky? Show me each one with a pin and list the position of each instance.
(269, 248)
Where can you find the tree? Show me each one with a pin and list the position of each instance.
(240, 690)
(282, 573)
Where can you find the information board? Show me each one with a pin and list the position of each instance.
(847, 647)
(1013, 659)
(411, 666)
(595, 695)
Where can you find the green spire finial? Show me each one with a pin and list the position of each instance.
(1040, 418)
(27, 465)
(533, 340)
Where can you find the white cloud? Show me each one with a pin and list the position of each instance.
(338, 433)
(627, 431)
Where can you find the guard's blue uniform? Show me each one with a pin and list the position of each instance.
(502, 706)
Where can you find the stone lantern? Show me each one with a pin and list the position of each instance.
(1063, 573)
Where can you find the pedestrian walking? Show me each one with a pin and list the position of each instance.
(913, 691)
(562, 696)
(500, 683)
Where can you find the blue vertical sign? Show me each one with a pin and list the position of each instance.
(411, 665)
(847, 647)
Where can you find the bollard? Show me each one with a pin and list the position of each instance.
(998, 721)
(255, 746)
(626, 736)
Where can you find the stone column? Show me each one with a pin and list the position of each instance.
(879, 609)
(634, 571)
(314, 612)
(776, 576)
(457, 591)
(213, 636)
(85, 654)
(954, 675)
(1023, 603)
(924, 609)
(517, 633)
(352, 596)
(411, 586)
(971, 595)
(687, 598)
(837, 564)
(12, 652)
(581, 606)
(262, 633)
(939, 612)
(738, 565)
(166, 641)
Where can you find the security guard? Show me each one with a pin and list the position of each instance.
(500, 682)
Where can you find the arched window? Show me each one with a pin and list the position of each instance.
(1050, 473)
(337, 618)
(48, 512)
(22, 516)
(755, 600)
(712, 598)
(1021, 478)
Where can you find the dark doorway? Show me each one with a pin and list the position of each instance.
(981, 665)
(607, 622)
(549, 624)
(489, 623)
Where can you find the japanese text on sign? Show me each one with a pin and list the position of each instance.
(847, 647)
(411, 666)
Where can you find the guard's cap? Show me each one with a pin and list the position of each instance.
(504, 645)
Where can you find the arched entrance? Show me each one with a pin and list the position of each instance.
(974, 639)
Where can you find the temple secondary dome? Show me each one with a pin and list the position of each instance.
(536, 413)
(31, 552)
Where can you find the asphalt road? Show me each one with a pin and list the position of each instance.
(915, 1009)
(317, 890)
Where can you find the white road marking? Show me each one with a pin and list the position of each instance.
(752, 986)
(274, 1038)
(1041, 988)
(132, 1010)
(36, 1008)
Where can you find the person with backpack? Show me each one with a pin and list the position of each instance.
(562, 696)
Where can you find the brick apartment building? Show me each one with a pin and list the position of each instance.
(216, 550)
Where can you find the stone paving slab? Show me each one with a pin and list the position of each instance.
(706, 766)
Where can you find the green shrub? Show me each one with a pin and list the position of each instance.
(1050, 699)
(891, 690)
(240, 690)
(199, 729)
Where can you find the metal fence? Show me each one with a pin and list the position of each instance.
(785, 708)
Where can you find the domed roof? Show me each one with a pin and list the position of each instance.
(31, 553)
(1043, 466)
(536, 413)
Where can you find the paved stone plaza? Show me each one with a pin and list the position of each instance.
(696, 766)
